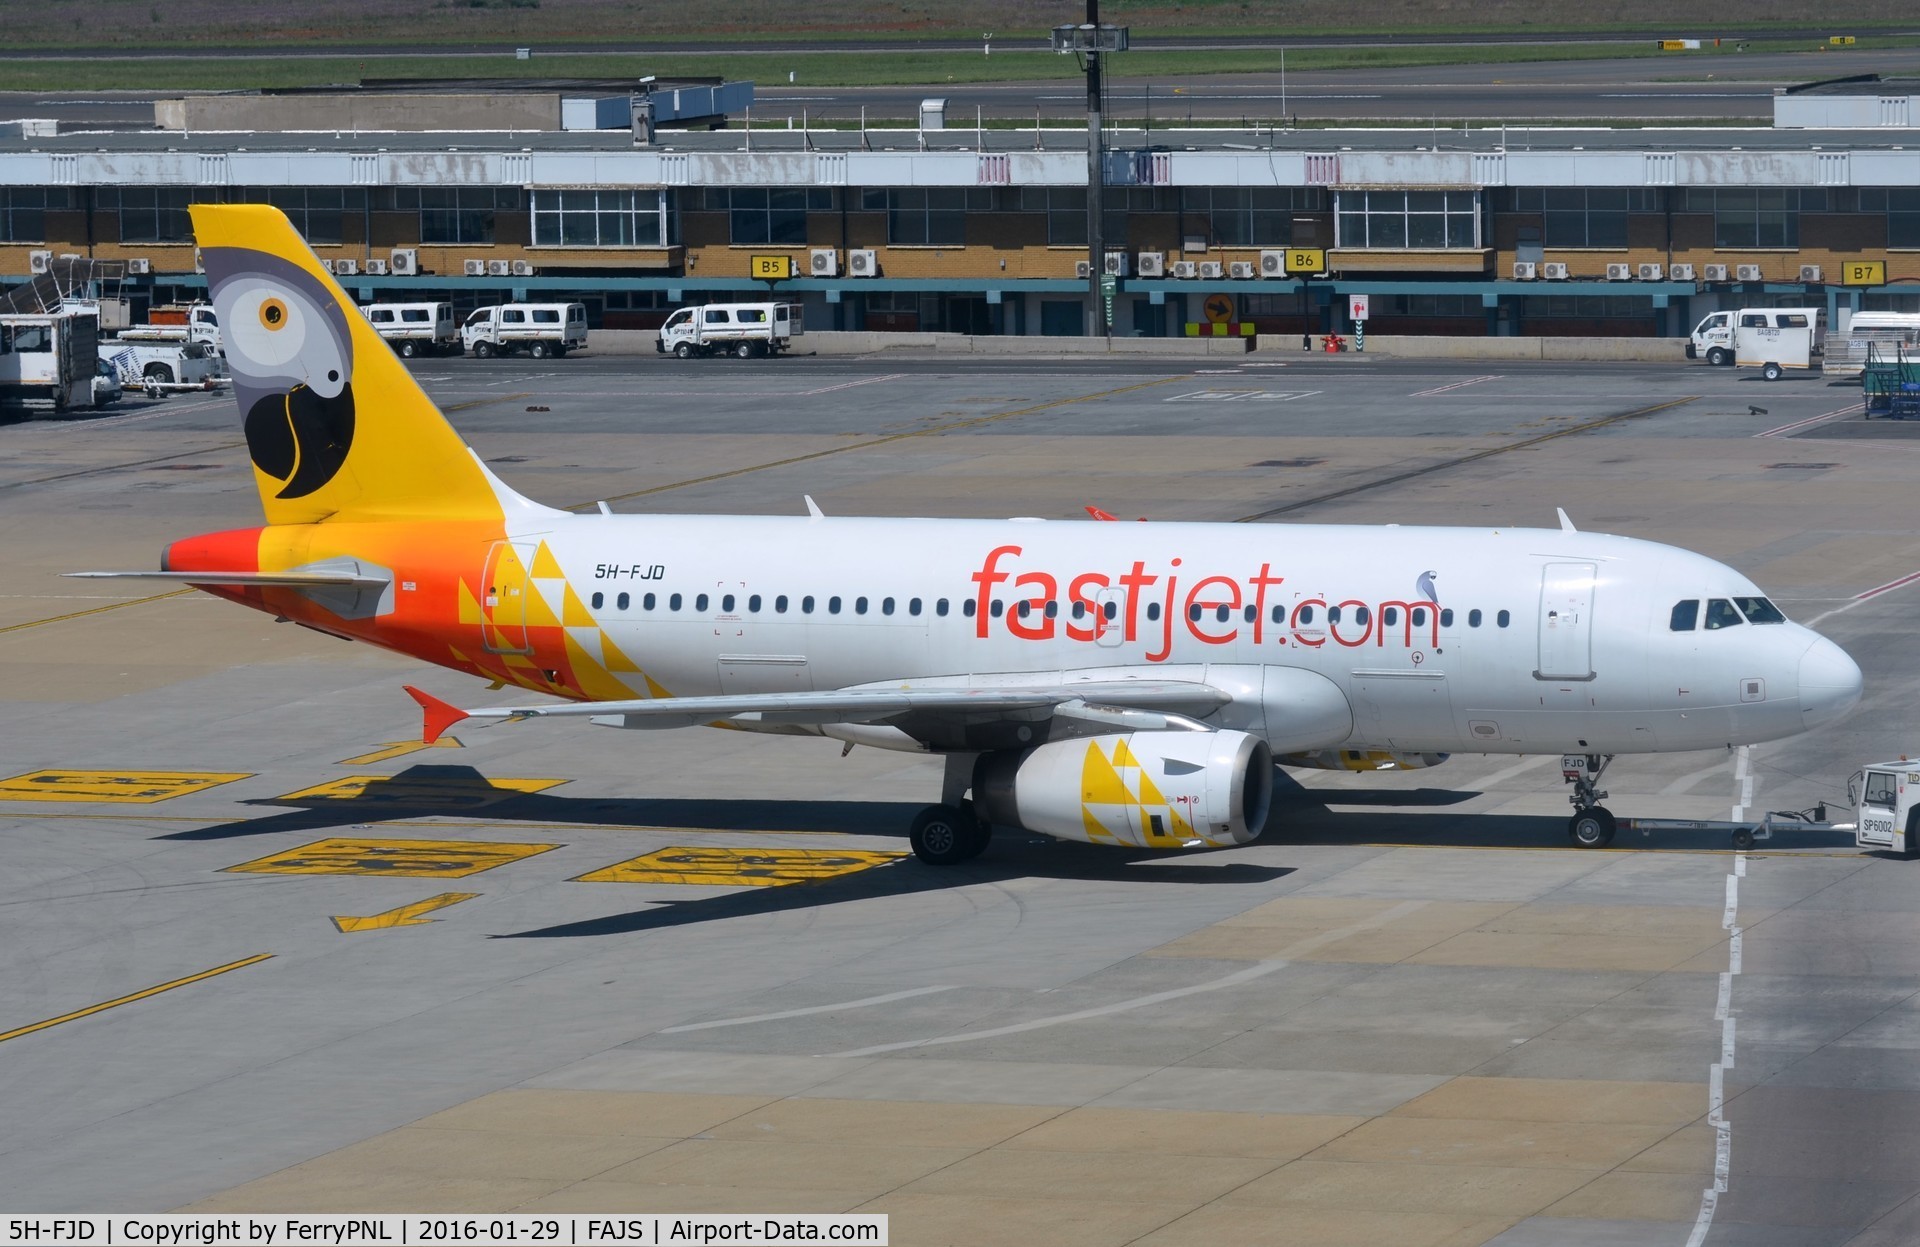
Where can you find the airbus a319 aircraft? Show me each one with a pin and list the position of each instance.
(1129, 684)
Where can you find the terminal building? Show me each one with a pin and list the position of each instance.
(567, 193)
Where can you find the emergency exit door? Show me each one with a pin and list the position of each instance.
(1566, 622)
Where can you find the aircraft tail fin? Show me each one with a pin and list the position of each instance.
(336, 426)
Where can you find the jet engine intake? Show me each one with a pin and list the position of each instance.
(1157, 790)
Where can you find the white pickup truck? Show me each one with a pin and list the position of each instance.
(416, 328)
(539, 329)
(741, 329)
(190, 322)
(158, 364)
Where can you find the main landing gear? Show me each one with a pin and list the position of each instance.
(1592, 825)
(950, 833)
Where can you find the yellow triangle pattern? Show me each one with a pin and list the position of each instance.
(545, 566)
(1127, 800)
(573, 612)
(469, 606)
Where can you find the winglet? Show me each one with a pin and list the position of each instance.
(1566, 525)
(1098, 514)
(439, 715)
(813, 508)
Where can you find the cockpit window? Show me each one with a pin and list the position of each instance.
(1759, 610)
(1880, 789)
(1685, 616)
(1721, 614)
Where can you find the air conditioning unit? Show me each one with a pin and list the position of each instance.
(1554, 272)
(474, 268)
(138, 267)
(522, 268)
(1619, 272)
(1747, 272)
(1716, 272)
(865, 263)
(1241, 270)
(823, 262)
(1116, 264)
(1152, 263)
(1809, 272)
(1525, 270)
(405, 262)
(1650, 272)
(346, 268)
(1214, 270)
(1273, 264)
(499, 268)
(1185, 270)
(1082, 269)
(39, 262)
(1681, 272)
(376, 268)
(327, 265)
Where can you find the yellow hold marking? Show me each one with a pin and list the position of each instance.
(397, 749)
(143, 994)
(117, 787)
(345, 855)
(735, 867)
(462, 789)
(405, 916)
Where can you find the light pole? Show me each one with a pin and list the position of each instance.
(1090, 40)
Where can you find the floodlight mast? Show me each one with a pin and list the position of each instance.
(1089, 41)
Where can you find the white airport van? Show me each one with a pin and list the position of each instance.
(539, 329)
(742, 329)
(1774, 339)
(1887, 334)
(416, 328)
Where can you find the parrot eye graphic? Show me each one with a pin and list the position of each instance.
(273, 314)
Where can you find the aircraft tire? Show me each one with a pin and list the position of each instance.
(1718, 357)
(944, 835)
(1591, 828)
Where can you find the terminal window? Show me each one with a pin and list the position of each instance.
(449, 215)
(23, 211)
(317, 212)
(1247, 216)
(1754, 216)
(764, 216)
(151, 213)
(924, 216)
(604, 218)
(1585, 217)
(1410, 220)
(1902, 206)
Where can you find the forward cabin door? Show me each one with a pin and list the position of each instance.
(1566, 622)
(503, 600)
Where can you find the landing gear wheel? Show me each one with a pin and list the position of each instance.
(1591, 828)
(743, 350)
(1770, 372)
(946, 835)
(483, 350)
(683, 351)
(1718, 357)
(409, 349)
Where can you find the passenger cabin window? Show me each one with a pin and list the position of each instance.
(806, 605)
(1793, 321)
(913, 606)
(940, 607)
(716, 316)
(1759, 611)
(546, 316)
(1473, 618)
(1306, 614)
(1754, 320)
(753, 604)
(647, 602)
(859, 606)
(1685, 616)
(1153, 611)
(622, 601)
(382, 316)
(886, 606)
(700, 603)
(512, 316)
(598, 600)
(673, 603)
(726, 604)
(417, 314)
(1721, 614)
(753, 316)
(1503, 619)
(780, 604)
(967, 607)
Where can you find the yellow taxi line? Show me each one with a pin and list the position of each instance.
(104, 1005)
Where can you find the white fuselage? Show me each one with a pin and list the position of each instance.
(1446, 639)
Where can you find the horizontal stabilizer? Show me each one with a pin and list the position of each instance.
(249, 580)
(440, 716)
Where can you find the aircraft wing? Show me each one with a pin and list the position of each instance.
(250, 580)
(1108, 705)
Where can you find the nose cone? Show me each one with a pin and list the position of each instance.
(1829, 683)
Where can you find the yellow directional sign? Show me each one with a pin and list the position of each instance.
(405, 916)
(392, 749)
(115, 787)
(346, 855)
(735, 867)
(464, 790)
(770, 267)
(1306, 259)
(1864, 273)
(1218, 308)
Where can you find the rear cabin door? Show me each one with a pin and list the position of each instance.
(503, 602)
(1566, 622)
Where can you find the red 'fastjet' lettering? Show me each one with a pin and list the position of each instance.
(1199, 611)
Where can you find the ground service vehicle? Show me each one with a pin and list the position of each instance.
(1120, 684)
(47, 360)
(189, 322)
(143, 363)
(742, 329)
(1712, 339)
(416, 328)
(1774, 339)
(1888, 813)
(1881, 332)
(106, 384)
(539, 329)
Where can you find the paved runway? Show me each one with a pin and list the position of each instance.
(554, 967)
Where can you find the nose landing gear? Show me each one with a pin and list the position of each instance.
(1592, 825)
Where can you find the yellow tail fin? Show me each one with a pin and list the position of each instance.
(336, 426)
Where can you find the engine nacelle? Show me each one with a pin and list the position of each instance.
(1158, 790)
(1361, 760)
